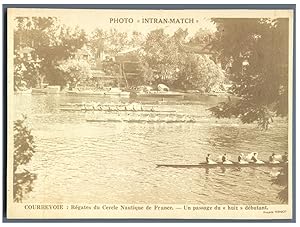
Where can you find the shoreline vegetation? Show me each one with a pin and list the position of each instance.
(24, 148)
(243, 58)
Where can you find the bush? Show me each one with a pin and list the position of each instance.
(24, 149)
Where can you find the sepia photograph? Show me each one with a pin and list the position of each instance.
(149, 113)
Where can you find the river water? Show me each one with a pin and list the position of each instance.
(89, 162)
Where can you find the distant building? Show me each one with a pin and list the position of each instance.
(129, 61)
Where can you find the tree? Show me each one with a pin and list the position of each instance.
(170, 60)
(24, 149)
(111, 42)
(26, 71)
(50, 43)
(75, 71)
(254, 52)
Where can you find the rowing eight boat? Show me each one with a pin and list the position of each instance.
(235, 164)
(139, 121)
(115, 110)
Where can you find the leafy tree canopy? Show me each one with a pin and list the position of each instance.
(255, 54)
(50, 43)
(168, 59)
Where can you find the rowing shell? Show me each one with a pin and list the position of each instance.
(235, 164)
(115, 110)
(138, 121)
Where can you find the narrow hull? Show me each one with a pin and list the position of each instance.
(136, 121)
(85, 93)
(114, 110)
(221, 165)
(122, 94)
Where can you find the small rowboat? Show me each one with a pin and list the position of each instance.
(221, 165)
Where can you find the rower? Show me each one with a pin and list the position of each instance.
(208, 160)
(147, 118)
(241, 159)
(225, 159)
(167, 119)
(99, 107)
(272, 158)
(255, 159)
(84, 106)
(285, 157)
(175, 118)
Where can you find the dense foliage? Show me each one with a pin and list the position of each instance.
(254, 52)
(49, 43)
(166, 60)
(23, 151)
(75, 71)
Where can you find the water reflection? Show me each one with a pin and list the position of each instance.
(116, 163)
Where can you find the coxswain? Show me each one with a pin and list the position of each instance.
(225, 159)
(208, 160)
(285, 157)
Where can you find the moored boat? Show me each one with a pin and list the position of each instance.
(117, 92)
(160, 94)
(85, 93)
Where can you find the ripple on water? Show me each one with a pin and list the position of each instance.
(77, 161)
